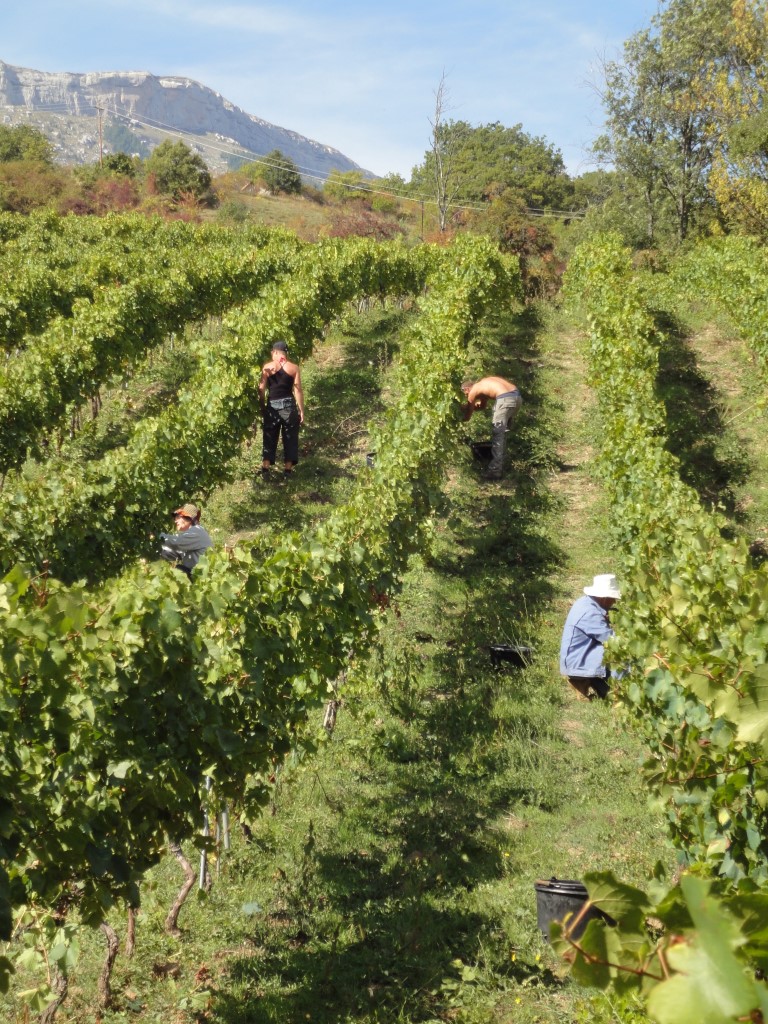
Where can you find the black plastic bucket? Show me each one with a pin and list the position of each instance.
(370, 459)
(482, 450)
(556, 898)
(511, 654)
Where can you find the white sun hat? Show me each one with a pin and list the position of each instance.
(604, 586)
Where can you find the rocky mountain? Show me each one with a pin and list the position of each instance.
(134, 111)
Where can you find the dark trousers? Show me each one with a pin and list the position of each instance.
(281, 420)
(584, 683)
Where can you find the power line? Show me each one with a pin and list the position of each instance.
(258, 159)
(318, 176)
(306, 172)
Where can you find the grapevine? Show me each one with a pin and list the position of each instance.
(186, 448)
(691, 629)
(77, 354)
(117, 702)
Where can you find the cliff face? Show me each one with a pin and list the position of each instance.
(65, 106)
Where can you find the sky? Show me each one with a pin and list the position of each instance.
(359, 77)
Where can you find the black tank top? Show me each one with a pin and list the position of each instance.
(280, 385)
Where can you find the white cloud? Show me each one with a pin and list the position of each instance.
(243, 17)
(256, 20)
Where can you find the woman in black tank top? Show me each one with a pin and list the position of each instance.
(282, 400)
(280, 385)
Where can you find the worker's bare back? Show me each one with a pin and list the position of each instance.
(490, 387)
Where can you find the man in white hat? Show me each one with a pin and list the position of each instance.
(586, 630)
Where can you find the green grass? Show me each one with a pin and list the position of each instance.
(391, 879)
(736, 385)
(296, 213)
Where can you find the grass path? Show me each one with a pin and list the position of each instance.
(602, 822)
(737, 390)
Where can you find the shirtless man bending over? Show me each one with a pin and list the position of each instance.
(507, 402)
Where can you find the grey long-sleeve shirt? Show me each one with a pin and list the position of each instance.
(187, 547)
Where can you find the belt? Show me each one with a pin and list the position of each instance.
(280, 403)
(508, 394)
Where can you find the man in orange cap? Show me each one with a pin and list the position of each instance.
(191, 540)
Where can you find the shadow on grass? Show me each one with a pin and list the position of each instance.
(712, 460)
(401, 940)
(378, 924)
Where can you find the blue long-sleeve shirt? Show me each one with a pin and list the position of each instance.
(586, 630)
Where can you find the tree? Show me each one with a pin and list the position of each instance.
(508, 220)
(593, 188)
(119, 163)
(26, 185)
(388, 193)
(279, 173)
(494, 158)
(685, 112)
(24, 142)
(392, 182)
(178, 172)
(733, 84)
(472, 164)
(658, 140)
(346, 186)
(446, 141)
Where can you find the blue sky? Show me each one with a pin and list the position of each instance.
(359, 77)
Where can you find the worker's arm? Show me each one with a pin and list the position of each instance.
(477, 397)
(298, 393)
(263, 386)
(475, 400)
(192, 539)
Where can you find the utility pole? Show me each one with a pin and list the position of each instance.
(101, 139)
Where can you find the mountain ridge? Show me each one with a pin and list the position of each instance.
(67, 105)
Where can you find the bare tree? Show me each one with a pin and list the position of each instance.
(446, 142)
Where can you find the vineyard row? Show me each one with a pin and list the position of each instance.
(116, 703)
(692, 625)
